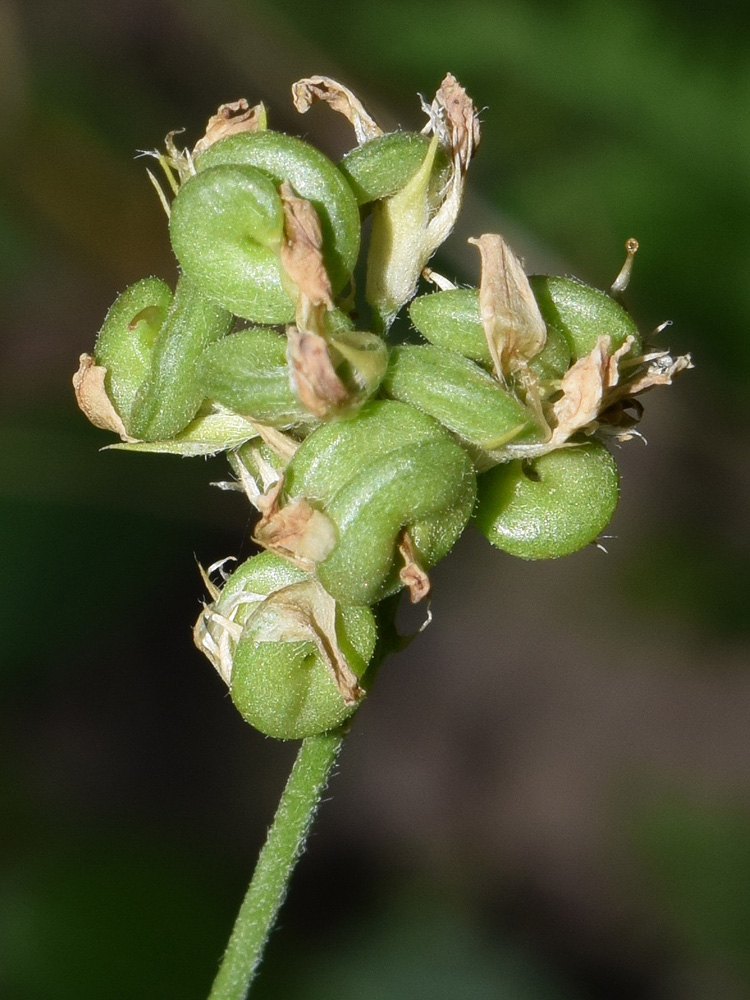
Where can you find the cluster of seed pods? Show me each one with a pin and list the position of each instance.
(366, 452)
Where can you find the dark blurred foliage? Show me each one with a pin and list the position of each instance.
(547, 795)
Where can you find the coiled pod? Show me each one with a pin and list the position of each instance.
(292, 657)
(227, 221)
(150, 344)
(389, 470)
(582, 314)
(126, 340)
(227, 226)
(550, 506)
(458, 393)
(379, 168)
(451, 319)
(247, 372)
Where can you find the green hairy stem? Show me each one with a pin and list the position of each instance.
(281, 851)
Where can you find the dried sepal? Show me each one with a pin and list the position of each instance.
(301, 251)
(305, 612)
(453, 117)
(595, 385)
(237, 116)
(410, 225)
(281, 445)
(217, 631)
(584, 388)
(312, 373)
(411, 574)
(311, 369)
(307, 91)
(657, 368)
(92, 398)
(295, 531)
(455, 121)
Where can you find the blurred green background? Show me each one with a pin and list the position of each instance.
(547, 795)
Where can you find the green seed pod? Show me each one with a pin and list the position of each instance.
(554, 359)
(388, 469)
(273, 634)
(126, 340)
(248, 373)
(227, 226)
(313, 176)
(451, 319)
(582, 314)
(551, 506)
(458, 393)
(382, 166)
(171, 395)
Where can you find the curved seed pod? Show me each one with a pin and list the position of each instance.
(171, 395)
(458, 393)
(247, 372)
(227, 227)
(554, 359)
(582, 314)
(451, 319)
(382, 166)
(126, 339)
(551, 506)
(286, 649)
(389, 469)
(313, 177)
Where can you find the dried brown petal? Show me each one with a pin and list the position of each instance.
(585, 387)
(306, 612)
(230, 119)
(659, 370)
(322, 88)
(301, 253)
(92, 398)
(460, 117)
(513, 325)
(295, 531)
(313, 376)
(411, 574)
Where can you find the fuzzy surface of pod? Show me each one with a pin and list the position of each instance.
(389, 469)
(126, 340)
(551, 506)
(382, 166)
(227, 226)
(247, 372)
(582, 314)
(451, 319)
(458, 393)
(314, 177)
(171, 395)
(282, 686)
